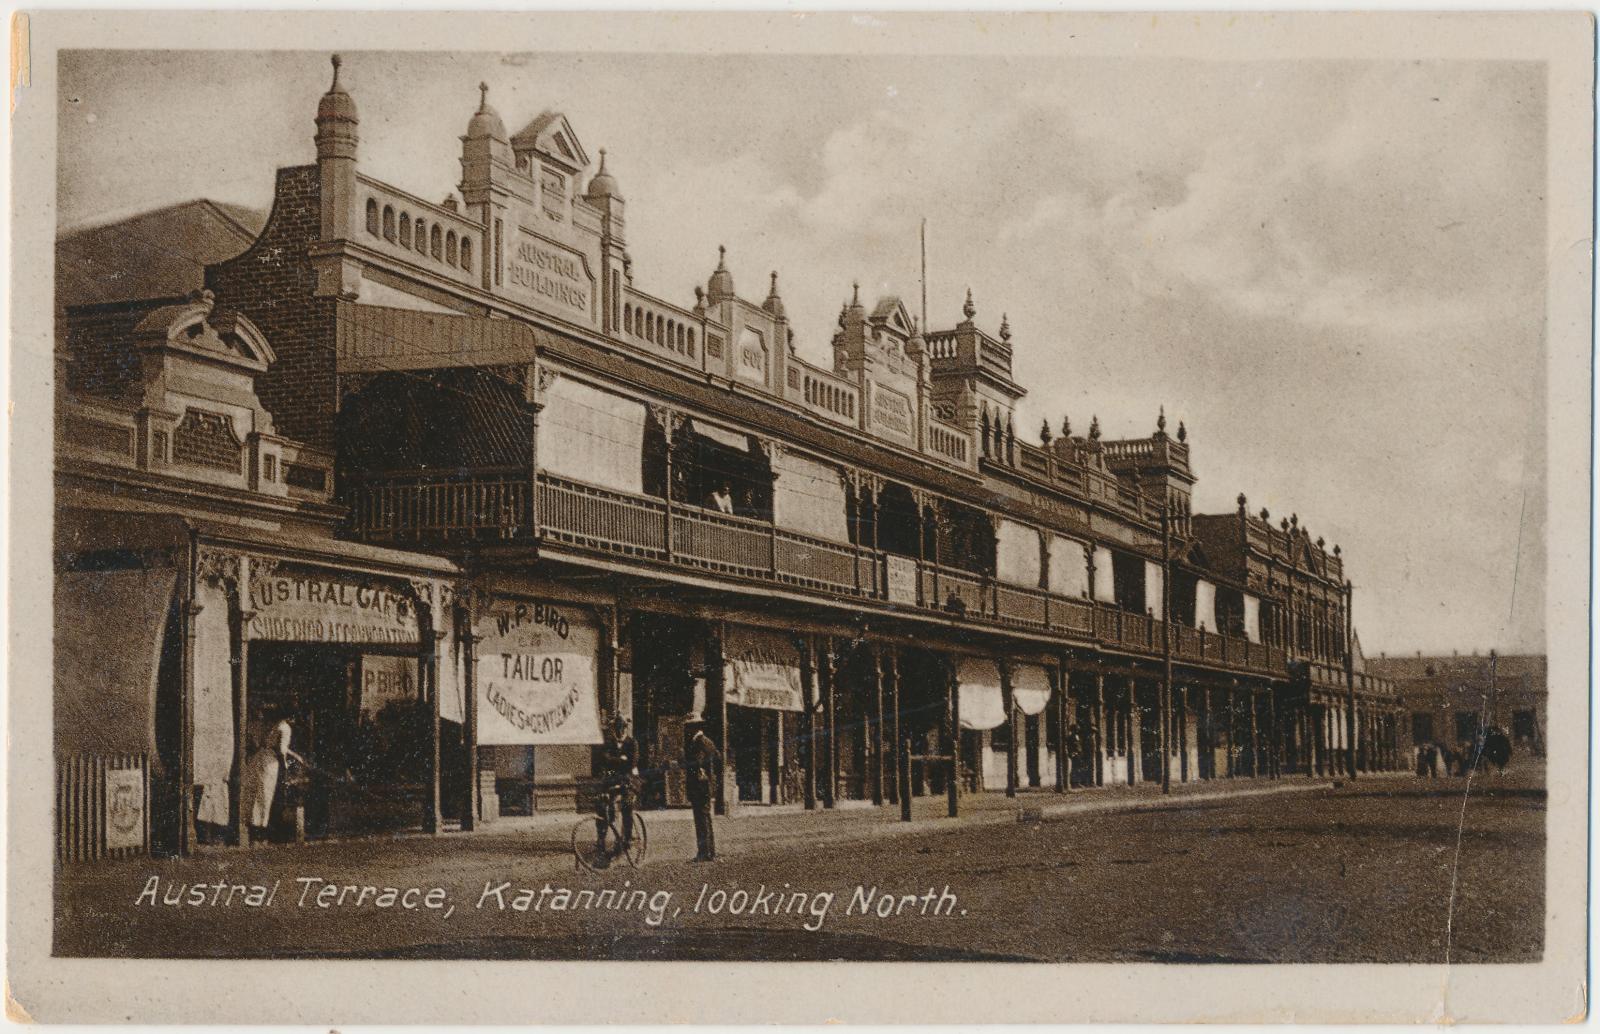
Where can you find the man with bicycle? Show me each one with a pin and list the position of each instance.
(619, 767)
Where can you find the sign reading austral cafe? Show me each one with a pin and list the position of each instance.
(537, 664)
(321, 607)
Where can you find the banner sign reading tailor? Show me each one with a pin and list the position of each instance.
(317, 607)
(537, 663)
(762, 669)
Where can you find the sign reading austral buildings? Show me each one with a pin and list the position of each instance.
(536, 674)
(551, 276)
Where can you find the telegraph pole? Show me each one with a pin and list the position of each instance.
(1350, 680)
(1166, 645)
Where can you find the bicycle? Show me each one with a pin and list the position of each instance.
(586, 851)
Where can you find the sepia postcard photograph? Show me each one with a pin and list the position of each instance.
(779, 517)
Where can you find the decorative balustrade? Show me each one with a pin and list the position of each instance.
(662, 327)
(404, 226)
(949, 442)
(619, 523)
(829, 396)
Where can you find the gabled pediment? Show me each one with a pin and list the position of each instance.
(892, 313)
(192, 328)
(551, 136)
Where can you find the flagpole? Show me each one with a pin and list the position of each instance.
(924, 275)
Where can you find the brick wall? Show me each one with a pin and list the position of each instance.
(102, 361)
(274, 285)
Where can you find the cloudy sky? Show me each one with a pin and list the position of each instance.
(1332, 271)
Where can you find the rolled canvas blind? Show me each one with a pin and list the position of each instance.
(592, 436)
(213, 704)
(1205, 605)
(1154, 584)
(982, 705)
(1252, 618)
(1069, 567)
(1017, 554)
(1030, 688)
(809, 498)
(108, 632)
(1105, 578)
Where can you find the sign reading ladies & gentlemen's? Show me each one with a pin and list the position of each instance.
(537, 664)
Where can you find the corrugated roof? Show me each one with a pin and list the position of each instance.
(157, 254)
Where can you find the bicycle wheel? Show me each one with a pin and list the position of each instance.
(640, 841)
(585, 852)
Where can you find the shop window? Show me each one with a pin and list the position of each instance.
(372, 217)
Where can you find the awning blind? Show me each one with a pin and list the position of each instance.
(1017, 554)
(1205, 605)
(809, 498)
(1069, 567)
(592, 436)
(1105, 579)
(109, 628)
(1154, 584)
(213, 704)
(1252, 618)
(982, 705)
(1030, 688)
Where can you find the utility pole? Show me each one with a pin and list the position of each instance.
(1166, 644)
(1350, 680)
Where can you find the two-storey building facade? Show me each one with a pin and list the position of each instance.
(860, 576)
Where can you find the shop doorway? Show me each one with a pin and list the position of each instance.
(359, 720)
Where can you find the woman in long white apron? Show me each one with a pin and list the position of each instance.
(262, 772)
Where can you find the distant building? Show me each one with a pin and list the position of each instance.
(1447, 698)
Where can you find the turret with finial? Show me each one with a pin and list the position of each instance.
(720, 287)
(337, 119)
(774, 304)
(604, 185)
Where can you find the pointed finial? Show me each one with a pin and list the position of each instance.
(1005, 327)
(722, 256)
(483, 98)
(1183, 432)
(1266, 515)
(1094, 428)
(1294, 519)
(1336, 553)
(1066, 426)
(969, 310)
(1044, 432)
(337, 61)
(1241, 502)
(602, 162)
(774, 281)
(1161, 420)
(1284, 524)
(855, 294)
(1321, 542)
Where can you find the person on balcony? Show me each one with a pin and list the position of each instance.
(722, 498)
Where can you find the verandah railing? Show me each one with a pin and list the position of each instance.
(609, 521)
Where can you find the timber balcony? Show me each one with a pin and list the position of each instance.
(424, 513)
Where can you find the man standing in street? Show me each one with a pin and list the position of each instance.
(703, 767)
